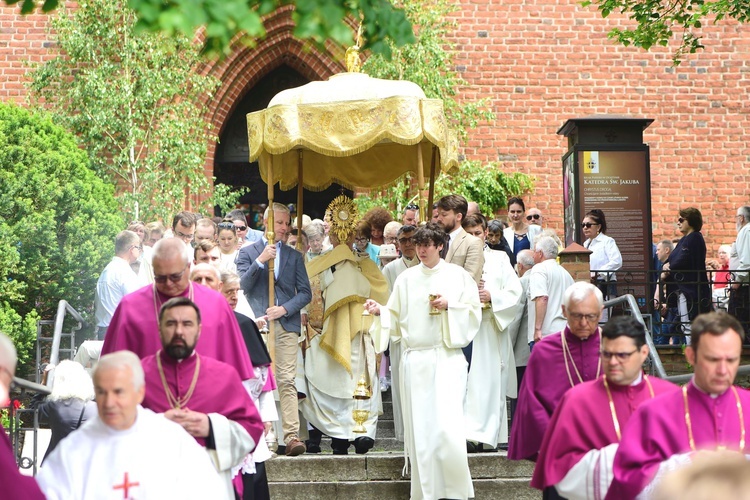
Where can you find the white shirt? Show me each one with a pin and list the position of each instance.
(605, 256)
(548, 279)
(153, 459)
(117, 280)
(740, 256)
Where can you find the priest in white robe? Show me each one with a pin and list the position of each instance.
(492, 366)
(127, 451)
(435, 310)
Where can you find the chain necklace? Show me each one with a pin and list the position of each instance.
(175, 401)
(689, 424)
(567, 354)
(615, 421)
(158, 303)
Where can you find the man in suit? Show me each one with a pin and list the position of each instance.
(464, 249)
(292, 293)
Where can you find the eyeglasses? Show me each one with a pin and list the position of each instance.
(404, 241)
(621, 356)
(139, 247)
(136, 222)
(534, 216)
(411, 206)
(681, 220)
(174, 278)
(361, 238)
(588, 224)
(241, 228)
(186, 237)
(590, 318)
(227, 225)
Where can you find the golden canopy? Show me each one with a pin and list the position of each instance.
(352, 129)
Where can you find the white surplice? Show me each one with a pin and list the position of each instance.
(153, 459)
(433, 373)
(392, 271)
(492, 365)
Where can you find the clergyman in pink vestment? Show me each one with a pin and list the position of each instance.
(558, 362)
(583, 435)
(704, 415)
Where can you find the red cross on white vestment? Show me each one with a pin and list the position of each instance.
(125, 486)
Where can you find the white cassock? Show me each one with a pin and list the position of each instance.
(154, 459)
(433, 373)
(392, 271)
(492, 365)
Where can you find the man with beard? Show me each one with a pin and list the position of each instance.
(462, 249)
(205, 396)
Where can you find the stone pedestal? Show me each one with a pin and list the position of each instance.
(575, 259)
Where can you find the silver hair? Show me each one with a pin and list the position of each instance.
(71, 380)
(548, 246)
(525, 258)
(315, 228)
(579, 291)
(205, 267)
(125, 240)
(228, 277)
(745, 212)
(120, 360)
(8, 356)
(392, 228)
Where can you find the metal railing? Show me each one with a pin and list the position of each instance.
(22, 387)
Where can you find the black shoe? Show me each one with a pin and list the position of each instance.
(363, 444)
(472, 447)
(313, 444)
(340, 446)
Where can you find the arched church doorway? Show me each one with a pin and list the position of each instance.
(231, 164)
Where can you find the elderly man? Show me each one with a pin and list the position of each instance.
(534, 217)
(558, 362)
(14, 484)
(707, 415)
(739, 294)
(434, 309)
(117, 280)
(291, 293)
(492, 367)
(547, 283)
(128, 451)
(580, 443)
(135, 325)
(205, 396)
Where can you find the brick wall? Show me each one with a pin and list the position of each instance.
(540, 62)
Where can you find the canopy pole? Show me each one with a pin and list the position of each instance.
(420, 181)
(300, 189)
(270, 234)
(433, 163)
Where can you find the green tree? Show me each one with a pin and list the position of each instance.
(657, 22)
(136, 102)
(224, 20)
(58, 221)
(429, 63)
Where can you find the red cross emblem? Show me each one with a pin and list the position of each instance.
(125, 486)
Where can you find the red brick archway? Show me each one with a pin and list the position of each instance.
(241, 70)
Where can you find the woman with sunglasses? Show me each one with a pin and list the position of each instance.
(605, 257)
(685, 271)
(519, 235)
(228, 246)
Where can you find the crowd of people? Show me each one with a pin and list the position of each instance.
(221, 349)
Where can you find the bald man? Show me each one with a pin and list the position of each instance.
(135, 324)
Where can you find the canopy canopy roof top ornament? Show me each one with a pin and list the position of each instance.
(351, 129)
